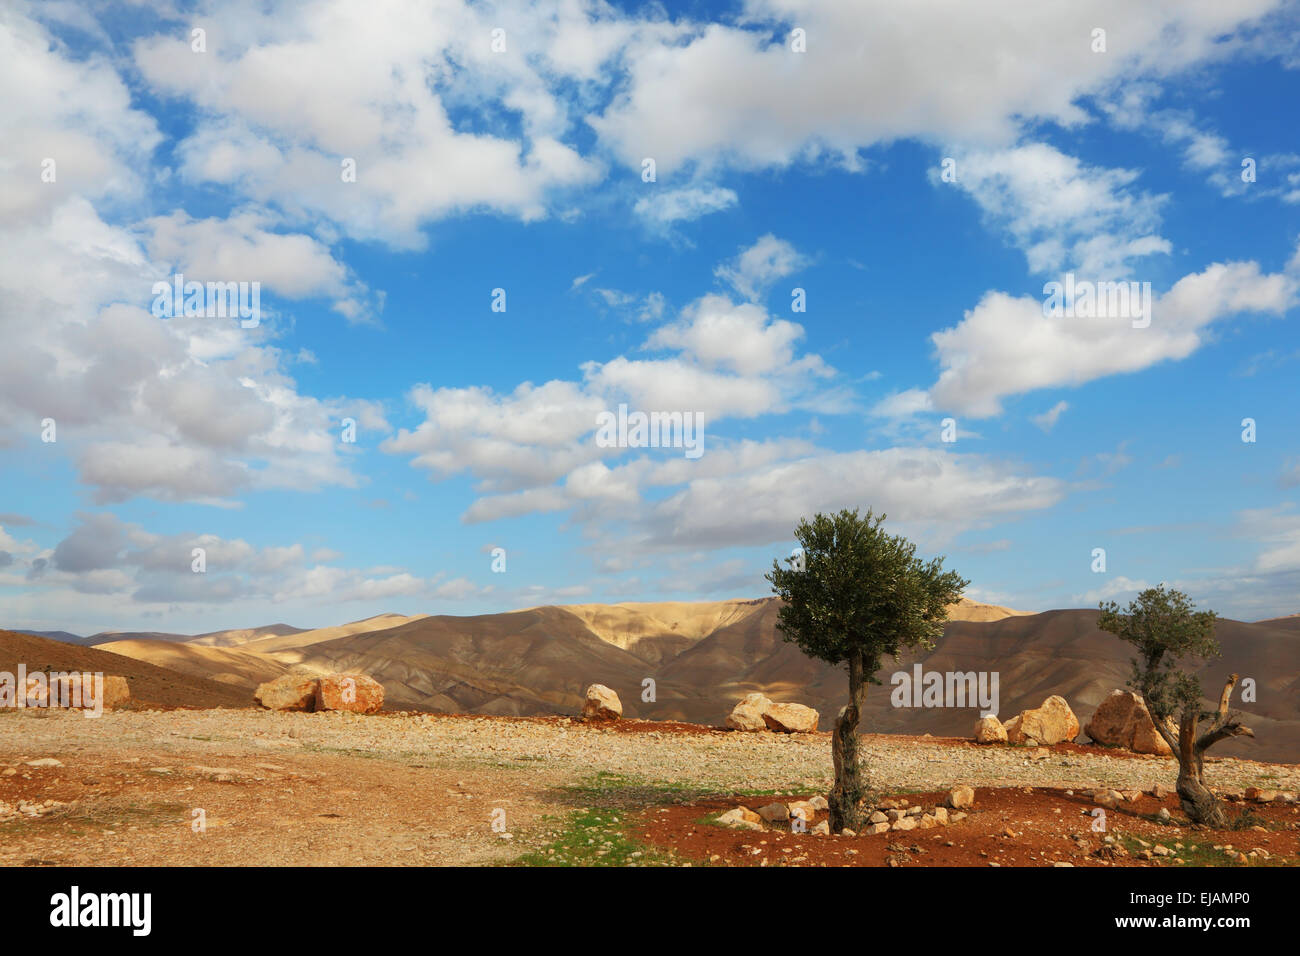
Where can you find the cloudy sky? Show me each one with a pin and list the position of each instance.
(826, 227)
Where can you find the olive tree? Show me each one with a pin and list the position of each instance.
(1165, 629)
(853, 595)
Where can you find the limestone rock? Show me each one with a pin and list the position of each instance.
(774, 812)
(748, 713)
(1122, 720)
(741, 818)
(804, 809)
(80, 692)
(1052, 722)
(959, 797)
(791, 718)
(356, 693)
(116, 691)
(290, 692)
(989, 730)
(602, 703)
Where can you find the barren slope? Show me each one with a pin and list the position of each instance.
(150, 685)
(227, 665)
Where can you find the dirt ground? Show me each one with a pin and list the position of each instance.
(1007, 827)
(425, 790)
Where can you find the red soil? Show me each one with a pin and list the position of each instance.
(1011, 827)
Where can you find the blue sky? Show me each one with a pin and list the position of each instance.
(796, 146)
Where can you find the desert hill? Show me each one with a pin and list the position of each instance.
(246, 657)
(703, 656)
(150, 684)
(227, 665)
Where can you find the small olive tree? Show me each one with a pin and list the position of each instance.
(1164, 628)
(855, 594)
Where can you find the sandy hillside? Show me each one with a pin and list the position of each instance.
(227, 665)
(150, 684)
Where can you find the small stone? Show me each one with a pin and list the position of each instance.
(960, 797)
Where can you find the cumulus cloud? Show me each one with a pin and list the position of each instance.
(244, 248)
(982, 72)
(717, 359)
(294, 92)
(1007, 346)
(664, 208)
(755, 269)
(183, 409)
(104, 555)
(933, 493)
(1063, 214)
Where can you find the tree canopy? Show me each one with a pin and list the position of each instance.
(860, 590)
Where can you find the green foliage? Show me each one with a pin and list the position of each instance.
(861, 591)
(1164, 627)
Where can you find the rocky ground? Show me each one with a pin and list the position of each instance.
(341, 789)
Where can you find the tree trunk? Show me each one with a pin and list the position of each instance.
(847, 793)
(1198, 802)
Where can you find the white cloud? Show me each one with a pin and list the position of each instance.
(739, 95)
(663, 208)
(1062, 214)
(291, 92)
(242, 248)
(104, 555)
(755, 269)
(1006, 345)
(1048, 419)
(190, 409)
(723, 361)
(1111, 588)
(931, 492)
(740, 338)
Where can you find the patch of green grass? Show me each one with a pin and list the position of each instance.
(593, 834)
(594, 837)
(619, 790)
(1194, 853)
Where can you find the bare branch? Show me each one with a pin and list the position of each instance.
(1227, 726)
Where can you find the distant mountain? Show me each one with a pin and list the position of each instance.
(704, 656)
(243, 635)
(65, 636)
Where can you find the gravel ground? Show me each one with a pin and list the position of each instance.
(340, 789)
